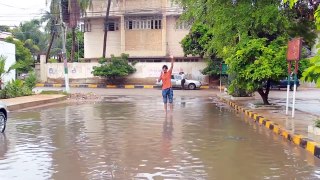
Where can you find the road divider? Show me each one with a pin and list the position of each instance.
(110, 86)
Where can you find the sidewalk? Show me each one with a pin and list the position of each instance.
(293, 129)
(31, 101)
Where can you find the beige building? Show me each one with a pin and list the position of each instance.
(147, 30)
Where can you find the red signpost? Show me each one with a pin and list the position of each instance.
(293, 55)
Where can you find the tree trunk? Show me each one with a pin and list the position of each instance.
(50, 45)
(106, 30)
(265, 94)
(73, 44)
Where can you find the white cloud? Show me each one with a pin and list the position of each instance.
(15, 11)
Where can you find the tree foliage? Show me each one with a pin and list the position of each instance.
(23, 56)
(257, 62)
(196, 42)
(33, 38)
(116, 67)
(251, 36)
(3, 70)
(4, 28)
(312, 74)
(79, 45)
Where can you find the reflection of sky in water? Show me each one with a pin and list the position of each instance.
(27, 161)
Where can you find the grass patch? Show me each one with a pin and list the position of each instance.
(54, 92)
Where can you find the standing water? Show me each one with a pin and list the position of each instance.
(132, 138)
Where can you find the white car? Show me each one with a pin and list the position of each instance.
(3, 116)
(176, 82)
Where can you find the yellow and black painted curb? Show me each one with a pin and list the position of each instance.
(304, 142)
(108, 86)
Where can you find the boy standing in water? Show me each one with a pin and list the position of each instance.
(167, 92)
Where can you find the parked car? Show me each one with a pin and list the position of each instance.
(23, 76)
(176, 82)
(3, 116)
(283, 84)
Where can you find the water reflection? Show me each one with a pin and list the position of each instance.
(4, 144)
(127, 137)
(168, 127)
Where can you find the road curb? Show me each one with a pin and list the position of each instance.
(35, 103)
(109, 86)
(304, 142)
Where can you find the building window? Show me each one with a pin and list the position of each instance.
(112, 26)
(143, 23)
(182, 25)
(86, 27)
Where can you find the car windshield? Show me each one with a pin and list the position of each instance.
(178, 77)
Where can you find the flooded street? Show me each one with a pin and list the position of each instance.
(132, 138)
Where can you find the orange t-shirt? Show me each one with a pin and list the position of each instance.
(166, 79)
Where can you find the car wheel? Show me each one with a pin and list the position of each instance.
(192, 86)
(3, 122)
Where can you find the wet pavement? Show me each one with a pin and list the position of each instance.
(307, 100)
(130, 137)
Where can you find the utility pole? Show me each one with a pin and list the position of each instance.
(106, 29)
(64, 50)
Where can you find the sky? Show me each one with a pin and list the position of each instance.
(13, 12)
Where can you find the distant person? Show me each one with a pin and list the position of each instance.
(183, 79)
(167, 92)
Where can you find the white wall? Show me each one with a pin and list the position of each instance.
(144, 70)
(191, 69)
(8, 50)
(94, 41)
(75, 70)
(174, 37)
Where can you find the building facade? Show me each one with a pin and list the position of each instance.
(148, 30)
(144, 29)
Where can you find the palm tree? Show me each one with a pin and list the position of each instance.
(106, 20)
(71, 13)
(30, 34)
(52, 19)
(3, 70)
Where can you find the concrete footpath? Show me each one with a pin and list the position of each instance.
(31, 101)
(292, 129)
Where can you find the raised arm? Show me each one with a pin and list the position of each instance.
(172, 62)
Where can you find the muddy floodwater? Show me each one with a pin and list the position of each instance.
(132, 138)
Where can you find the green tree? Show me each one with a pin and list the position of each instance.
(51, 19)
(33, 38)
(3, 70)
(79, 46)
(23, 56)
(257, 63)
(254, 28)
(116, 67)
(71, 13)
(197, 42)
(312, 74)
(4, 28)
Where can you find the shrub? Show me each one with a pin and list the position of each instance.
(117, 67)
(317, 123)
(52, 60)
(15, 88)
(31, 80)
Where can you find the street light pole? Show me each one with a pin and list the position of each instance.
(64, 50)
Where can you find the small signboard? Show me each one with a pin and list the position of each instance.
(294, 49)
(224, 69)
